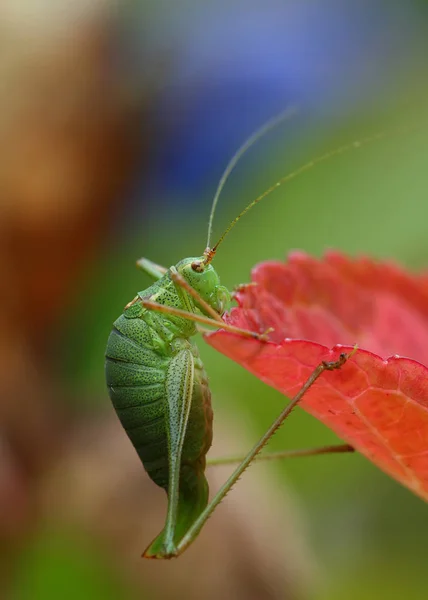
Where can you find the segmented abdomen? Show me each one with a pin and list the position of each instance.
(136, 373)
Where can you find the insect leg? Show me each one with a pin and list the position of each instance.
(152, 269)
(201, 319)
(331, 449)
(182, 284)
(179, 389)
(195, 529)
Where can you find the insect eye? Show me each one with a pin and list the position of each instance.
(197, 266)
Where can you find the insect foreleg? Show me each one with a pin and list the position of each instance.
(194, 530)
(152, 269)
(201, 319)
(182, 284)
(179, 389)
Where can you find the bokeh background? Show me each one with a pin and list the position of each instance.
(116, 121)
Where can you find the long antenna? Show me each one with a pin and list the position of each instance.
(284, 115)
(210, 252)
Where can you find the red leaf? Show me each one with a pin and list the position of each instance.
(378, 406)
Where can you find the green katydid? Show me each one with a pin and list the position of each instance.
(158, 384)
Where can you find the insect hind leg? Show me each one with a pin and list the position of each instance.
(249, 458)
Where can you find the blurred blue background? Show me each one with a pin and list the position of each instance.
(127, 116)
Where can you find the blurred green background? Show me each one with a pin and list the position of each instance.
(77, 509)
